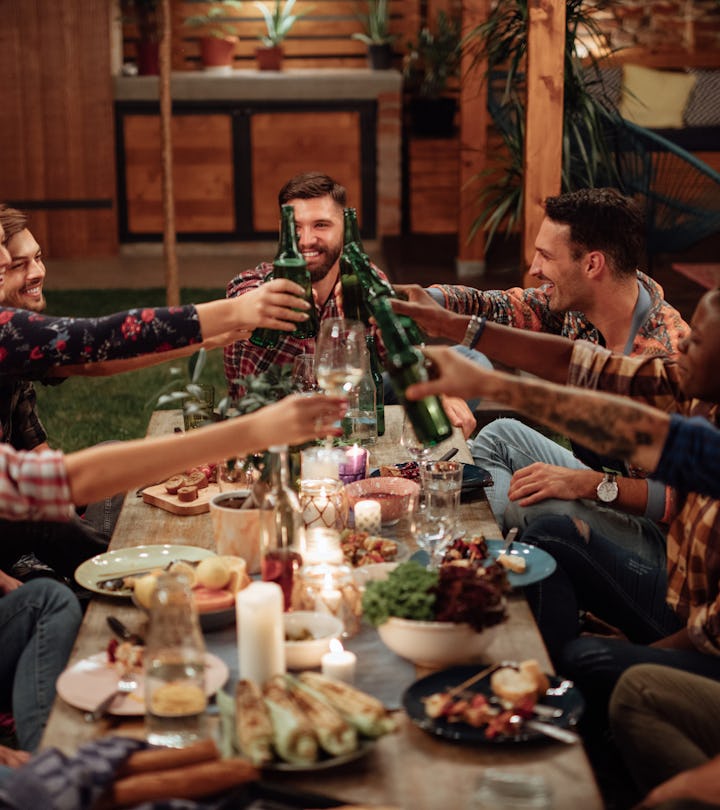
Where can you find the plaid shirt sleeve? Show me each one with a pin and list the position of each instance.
(34, 486)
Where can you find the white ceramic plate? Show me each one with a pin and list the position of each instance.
(88, 681)
(129, 561)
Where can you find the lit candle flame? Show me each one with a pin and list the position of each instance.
(335, 646)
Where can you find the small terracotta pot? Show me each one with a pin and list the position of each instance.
(217, 51)
(269, 58)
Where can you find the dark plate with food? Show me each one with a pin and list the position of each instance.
(478, 716)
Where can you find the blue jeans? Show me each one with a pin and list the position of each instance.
(38, 625)
(507, 445)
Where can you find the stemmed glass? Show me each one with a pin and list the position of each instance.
(303, 373)
(413, 446)
(340, 357)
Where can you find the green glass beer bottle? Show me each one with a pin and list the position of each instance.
(405, 365)
(354, 305)
(289, 263)
(377, 379)
(370, 280)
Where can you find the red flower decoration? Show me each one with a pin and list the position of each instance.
(6, 316)
(148, 315)
(36, 353)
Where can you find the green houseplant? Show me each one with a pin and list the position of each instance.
(219, 34)
(279, 19)
(432, 62)
(587, 157)
(376, 34)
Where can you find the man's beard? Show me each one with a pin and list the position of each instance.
(329, 258)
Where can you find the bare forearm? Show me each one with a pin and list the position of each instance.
(610, 425)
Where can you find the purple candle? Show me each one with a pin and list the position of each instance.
(353, 467)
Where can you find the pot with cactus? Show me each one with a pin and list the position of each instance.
(376, 34)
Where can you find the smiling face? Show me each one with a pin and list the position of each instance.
(24, 278)
(700, 351)
(557, 270)
(319, 226)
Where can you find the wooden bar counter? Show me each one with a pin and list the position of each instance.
(407, 769)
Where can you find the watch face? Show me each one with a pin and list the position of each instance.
(607, 491)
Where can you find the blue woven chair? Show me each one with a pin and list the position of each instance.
(681, 194)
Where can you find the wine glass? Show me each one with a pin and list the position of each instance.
(339, 355)
(303, 373)
(413, 446)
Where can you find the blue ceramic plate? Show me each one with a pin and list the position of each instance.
(570, 702)
(538, 563)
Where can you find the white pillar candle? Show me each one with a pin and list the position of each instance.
(339, 663)
(368, 517)
(260, 632)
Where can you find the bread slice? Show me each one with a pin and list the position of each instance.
(513, 686)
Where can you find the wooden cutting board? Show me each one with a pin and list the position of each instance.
(158, 496)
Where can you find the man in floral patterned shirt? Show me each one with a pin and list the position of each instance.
(586, 257)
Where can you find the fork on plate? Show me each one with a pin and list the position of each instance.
(127, 683)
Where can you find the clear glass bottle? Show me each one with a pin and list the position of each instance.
(281, 525)
(360, 420)
(174, 665)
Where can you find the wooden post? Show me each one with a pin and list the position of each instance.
(544, 122)
(473, 146)
(172, 286)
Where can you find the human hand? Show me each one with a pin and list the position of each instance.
(8, 583)
(700, 784)
(303, 417)
(13, 758)
(459, 414)
(453, 375)
(273, 305)
(594, 626)
(539, 481)
(433, 319)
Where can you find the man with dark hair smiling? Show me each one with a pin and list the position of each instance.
(587, 253)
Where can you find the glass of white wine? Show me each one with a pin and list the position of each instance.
(340, 356)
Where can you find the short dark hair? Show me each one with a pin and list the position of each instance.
(12, 220)
(311, 185)
(602, 219)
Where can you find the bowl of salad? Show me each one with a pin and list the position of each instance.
(438, 618)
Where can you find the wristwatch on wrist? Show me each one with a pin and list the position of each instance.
(607, 489)
(474, 331)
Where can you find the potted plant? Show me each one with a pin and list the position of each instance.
(432, 61)
(219, 34)
(377, 36)
(278, 23)
(144, 15)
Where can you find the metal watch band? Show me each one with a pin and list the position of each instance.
(474, 331)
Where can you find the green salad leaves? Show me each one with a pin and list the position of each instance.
(408, 592)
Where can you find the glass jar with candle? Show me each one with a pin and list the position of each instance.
(325, 583)
(323, 504)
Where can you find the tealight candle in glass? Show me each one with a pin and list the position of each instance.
(354, 466)
(323, 503)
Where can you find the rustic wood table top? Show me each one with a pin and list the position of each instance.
(408, 769)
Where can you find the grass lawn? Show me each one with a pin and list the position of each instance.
(84, 410)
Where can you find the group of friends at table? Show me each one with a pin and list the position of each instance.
(631, 514)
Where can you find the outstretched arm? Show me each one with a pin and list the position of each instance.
(701, 784)
(611, 425)
(545, 355)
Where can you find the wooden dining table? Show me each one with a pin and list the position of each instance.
(407, 769)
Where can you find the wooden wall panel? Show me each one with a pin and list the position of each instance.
(434, 182)
(286, 143)
(57, 138)
(202, 169)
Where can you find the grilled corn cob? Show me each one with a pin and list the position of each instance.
(335, 734)
(366, 713)
(252, 723)
(293, 737)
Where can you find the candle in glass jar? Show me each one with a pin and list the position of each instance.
(368, 517)
(354, 466)
(339, 663)
(260, 631)
(319, 462)
(322, 547)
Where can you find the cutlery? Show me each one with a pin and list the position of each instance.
(509, 539)
(557, 733)
(122, 631)
(450, 453)
(125, 686)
